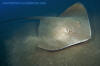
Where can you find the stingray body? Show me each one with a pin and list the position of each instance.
(70, 28)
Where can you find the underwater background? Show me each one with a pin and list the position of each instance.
(14, 24)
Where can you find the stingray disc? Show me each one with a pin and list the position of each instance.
(59, 32)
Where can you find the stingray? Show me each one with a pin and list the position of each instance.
(70, 28)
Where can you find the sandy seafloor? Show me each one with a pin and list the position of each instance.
(20, 49)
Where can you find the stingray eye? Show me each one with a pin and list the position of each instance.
(66, 30)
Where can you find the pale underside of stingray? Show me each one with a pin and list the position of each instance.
(70, 28)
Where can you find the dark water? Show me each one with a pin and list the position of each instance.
(16, 45)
